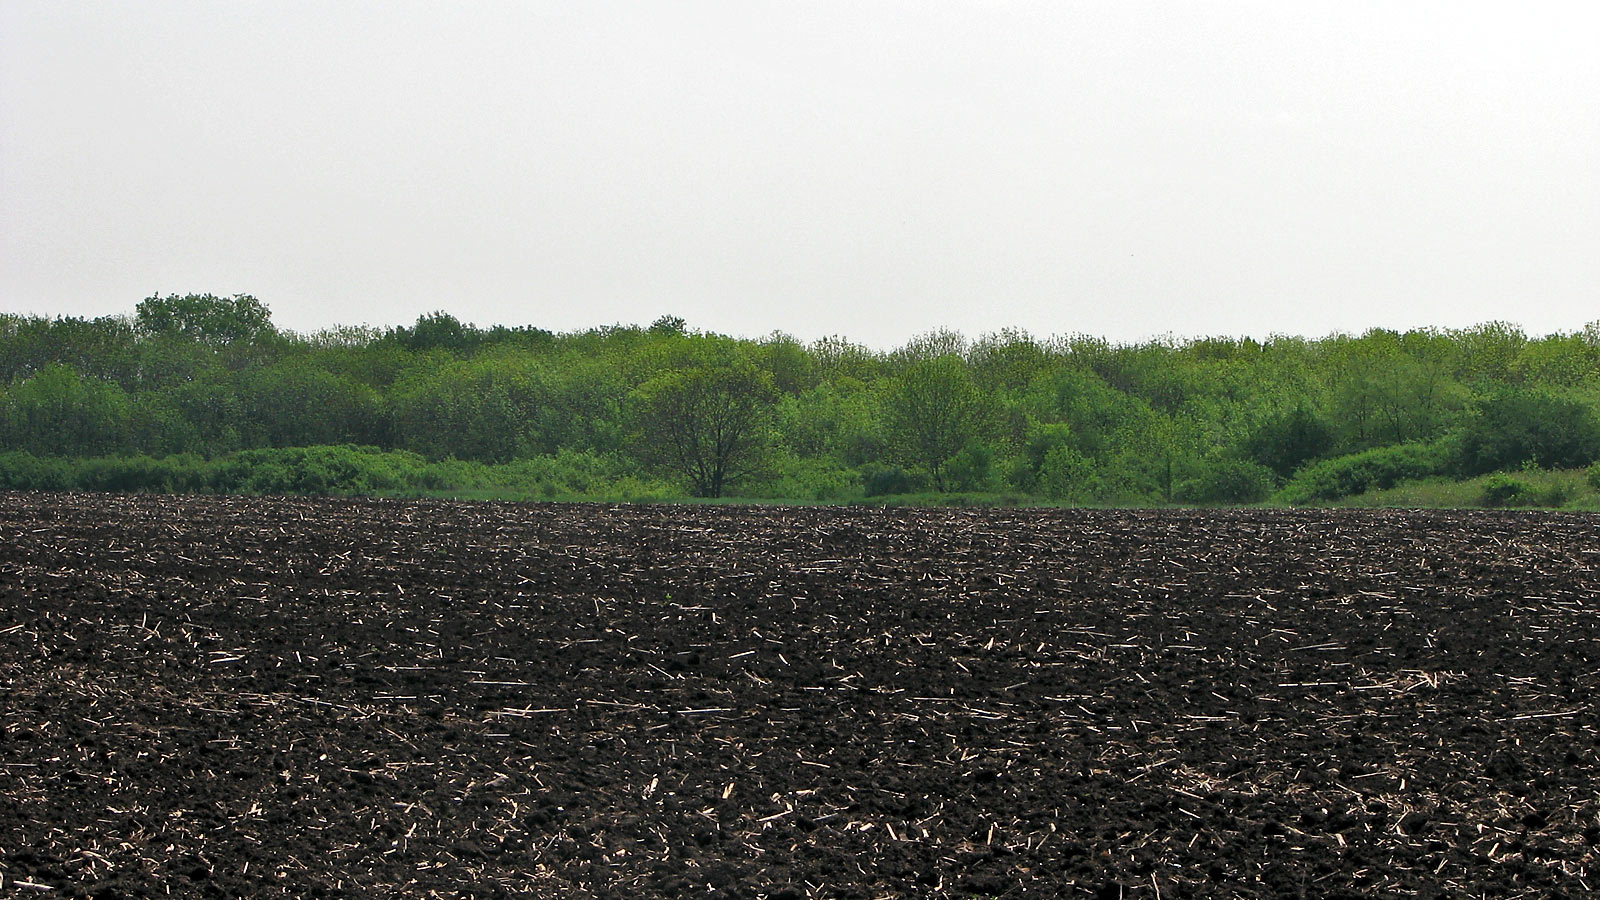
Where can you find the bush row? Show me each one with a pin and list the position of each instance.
(1369, 470)
(330, 470)
(349, 470)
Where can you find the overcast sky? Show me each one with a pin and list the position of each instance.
(868, 169)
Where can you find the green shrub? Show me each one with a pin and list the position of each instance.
(185, 474)
(58, 412)
(1288, 441)
(22, 471)
(972, 469)
(878, 480)
(449, 474)
(1515, 426)
(1227, 481)
(320, 470)
(1558, 494)
(1506, 490)
(800, 478)
(1376, 469)
(633, 489)
(1067, 475)
(567, 473)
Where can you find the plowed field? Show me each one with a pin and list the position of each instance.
(207, 697)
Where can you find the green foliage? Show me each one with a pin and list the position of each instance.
(1009, 361)
(167, 364)
(438, 331)
(838, 420)
(1067, 475)
(669, 325)
(291, 404)
(935, 411)
(1560, 360)
(22, 471)
(57, 412)
(1389, 388)
(1096, 417)
(184, 474)
(1549, 488)
(568, 474)
(707, 422)
(1513, 426)
(314, 470)
(811, 480)
(1557, 494)
(883, 480)
(1506, 490)
(98, 348)
(335, 470)
(1488, 352)
(1227, 480)
(1153, 372)
(973, 467)
(213, 410)
(199, 392)
(485, 409)
(1288, 441)
(933, 345)
(1022, 469)
(157, 427)
(1375, 469)
(205, 318)
(836, 358)
(785, 359)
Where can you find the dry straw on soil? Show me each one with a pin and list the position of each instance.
(225, 697)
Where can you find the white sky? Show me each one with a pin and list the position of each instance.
(869, 169)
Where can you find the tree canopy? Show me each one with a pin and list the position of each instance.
(1075, 419)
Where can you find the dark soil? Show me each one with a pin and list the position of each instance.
(210, 697)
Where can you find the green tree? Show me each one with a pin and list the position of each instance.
(439, 331)
(487, 408)
(838, 420)
(1225, 479)
(669, 324)
(1174, 446)
(834, 357)
(1009, 360)
(1487, 352)
(97, 348)
(1153, 372)
(1515, 426)
(932, 345)
(213, 411)
(793, 370)
(934, 411)
(205, 318)
(708, 421)
(1288, 441)
(583, 405)
(157, 426)
(1065, 474)
(1111, 429)
(1559, 360)
(57, 412)
(1389, 388)
(296, 404)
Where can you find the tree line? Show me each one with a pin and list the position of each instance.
(210, 382)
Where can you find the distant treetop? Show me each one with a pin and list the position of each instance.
(205, 318)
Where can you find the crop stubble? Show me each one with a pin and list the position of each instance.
(324, 698)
